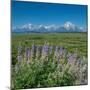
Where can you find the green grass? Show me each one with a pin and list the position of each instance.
(67, 40)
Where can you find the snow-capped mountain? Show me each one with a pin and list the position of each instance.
(69, 25)
(30, 28)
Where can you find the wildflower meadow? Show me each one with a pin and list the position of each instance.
(47, 65)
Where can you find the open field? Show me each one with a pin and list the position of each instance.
(70, 41)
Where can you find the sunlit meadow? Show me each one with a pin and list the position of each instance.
(49, 60)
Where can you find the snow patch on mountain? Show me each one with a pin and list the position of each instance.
(67, 27)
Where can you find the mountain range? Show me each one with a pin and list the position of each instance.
(30, 28)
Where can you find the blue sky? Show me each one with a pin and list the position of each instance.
(46, 13)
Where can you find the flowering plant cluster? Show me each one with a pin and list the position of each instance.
(48, 66)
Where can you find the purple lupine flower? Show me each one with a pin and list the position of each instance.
(28, 53)
(45, 50)
(78, 62)
(61, 51)
(71, 58)
(59, 54)
(32, 50)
